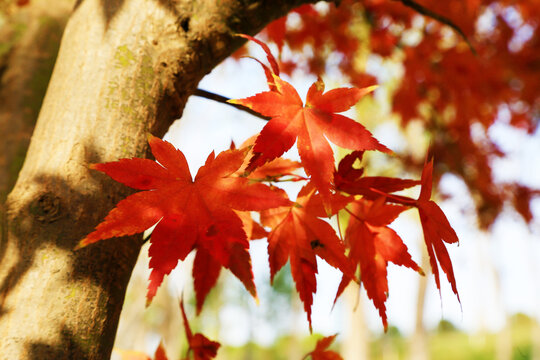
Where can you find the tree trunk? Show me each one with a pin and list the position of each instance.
(29, 41)
(125, 68)
(29, 44)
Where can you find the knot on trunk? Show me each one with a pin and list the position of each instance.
(46, 208)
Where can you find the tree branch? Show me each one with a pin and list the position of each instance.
(222, 99)
(440, 18)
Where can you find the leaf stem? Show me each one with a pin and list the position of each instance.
(222, 99)
(339, 227)
(352, 214)
(272, 179)
(398, 199)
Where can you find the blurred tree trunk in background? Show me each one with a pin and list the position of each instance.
(535, 338)
(294, 345)
(503, 344)
(535, 331)
(418, 348)
(355, 344)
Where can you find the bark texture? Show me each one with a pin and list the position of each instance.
(125, 68)
(29, 42)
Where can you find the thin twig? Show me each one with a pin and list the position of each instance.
(440, 18)
(339, 227)
(222, 99)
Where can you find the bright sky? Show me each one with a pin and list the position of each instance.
(511, 252)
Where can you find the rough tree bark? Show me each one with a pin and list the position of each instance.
(29, 44)
(29, 41)
(125, 68)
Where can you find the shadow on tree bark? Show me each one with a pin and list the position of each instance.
(111, 86)
(67, 345)
(31, 38)
(48, 222)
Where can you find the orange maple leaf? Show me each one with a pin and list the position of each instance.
(311, 125)
(353, 181)
(321, 351)
(202, 347)
(372, 246)
(437, 230)
(160, 352)
(298, 235)
(190, 214)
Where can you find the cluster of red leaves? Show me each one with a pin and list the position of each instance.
(209, 214)
(200, 348)
(502, 73)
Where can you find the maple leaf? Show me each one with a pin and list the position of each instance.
(160, 352)
(471, 83)
(351, 180)
(270, 171)
(437, 230)
(372, 246)
(321, 351)
(269, 72)
(298, 235)
(190, 214)
(253, 229)
(271, 59)
(275, 169)
(311, 125)
(200, 345)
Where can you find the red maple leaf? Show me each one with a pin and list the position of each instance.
(160, 352)
(190, 214)
(253, 229)
(436, 227)
(321, 351)
(437, 230)
(270, 171)
(202, 347)
(351, 180)
(275, 169)
(372, 245)
(298, 235)
(311, 125)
